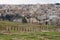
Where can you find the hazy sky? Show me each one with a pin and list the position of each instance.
(28, 1)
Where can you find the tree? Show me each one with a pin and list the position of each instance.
(2, 17)
(7, 17)
(24, 20)
(28, 17)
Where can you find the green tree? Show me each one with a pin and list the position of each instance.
(24, 20)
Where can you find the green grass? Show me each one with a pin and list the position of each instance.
(7, 23)
(32, 36)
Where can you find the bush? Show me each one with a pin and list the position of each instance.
(24, 20)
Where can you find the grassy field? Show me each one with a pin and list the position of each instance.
(32, 36)
(28, 35)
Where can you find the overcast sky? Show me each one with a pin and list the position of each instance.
(28, 1)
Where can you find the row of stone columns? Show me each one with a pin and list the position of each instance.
(24, 28)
